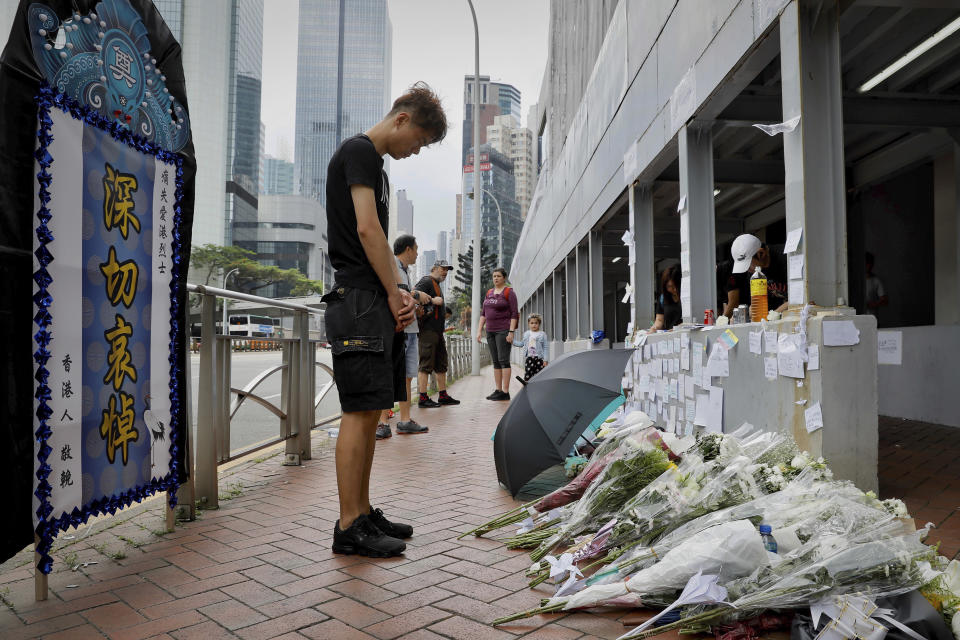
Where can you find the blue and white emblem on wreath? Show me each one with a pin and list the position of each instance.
(103, 60)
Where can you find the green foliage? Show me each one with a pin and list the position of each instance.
(462, 294)
(211, 262)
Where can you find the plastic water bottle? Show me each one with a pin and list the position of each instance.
(758, 296)
(769, 543)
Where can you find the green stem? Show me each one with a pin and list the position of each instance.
(553, 608)
(500, 521)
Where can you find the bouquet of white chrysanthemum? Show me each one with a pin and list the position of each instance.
(873, 562)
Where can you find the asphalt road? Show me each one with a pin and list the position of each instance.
(253, 424)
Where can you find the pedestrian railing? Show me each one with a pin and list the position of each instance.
(219, 400)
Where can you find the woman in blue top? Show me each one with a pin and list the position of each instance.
(535, 342)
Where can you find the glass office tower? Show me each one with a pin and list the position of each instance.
(343, 81)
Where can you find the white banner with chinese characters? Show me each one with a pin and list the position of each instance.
(110, 234)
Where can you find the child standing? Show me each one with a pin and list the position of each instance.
(535, 342)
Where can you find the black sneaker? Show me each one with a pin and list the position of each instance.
(429, 403)
(392, 529)
(411, 427)
(495, 395)
(447, 400)
(383, 431)
(504, 396)
(365, 538)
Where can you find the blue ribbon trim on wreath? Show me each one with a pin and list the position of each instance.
(47, 528)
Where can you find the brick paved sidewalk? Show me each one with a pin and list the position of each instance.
(261, 565)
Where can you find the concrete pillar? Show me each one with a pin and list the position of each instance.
(698, 237)
(946, 236)
(583, 290)
(640, 197)
(548, 318)
(596, 279)
(813, 152)
(573, 317)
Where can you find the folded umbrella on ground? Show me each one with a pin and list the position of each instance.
(578, 390)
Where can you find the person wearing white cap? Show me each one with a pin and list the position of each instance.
(749, 253)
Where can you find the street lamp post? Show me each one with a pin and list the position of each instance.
(499, 224)
(475, 298)
(226, 325)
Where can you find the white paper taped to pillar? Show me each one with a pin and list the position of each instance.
(780, 127)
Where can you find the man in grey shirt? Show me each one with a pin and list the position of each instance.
(405, 250)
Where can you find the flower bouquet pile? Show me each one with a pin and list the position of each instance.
(621, 440)
(697, 521)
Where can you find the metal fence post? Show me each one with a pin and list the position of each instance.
(308, 386)
(223, 404)
(285, 391)
(207, 403)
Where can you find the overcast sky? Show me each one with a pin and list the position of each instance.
(432, 41)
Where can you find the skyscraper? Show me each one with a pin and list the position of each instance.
(277, 177)
(404, 213)
(243, 128)
(516, 142)
(496, 98)
(497, 180)
(343, 81)
(222, 46)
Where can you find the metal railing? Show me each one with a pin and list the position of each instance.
(218, 400)
(216, 405)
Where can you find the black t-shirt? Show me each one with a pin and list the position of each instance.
(356, 161)
(776, 274)
(671, 310)
(434, 317)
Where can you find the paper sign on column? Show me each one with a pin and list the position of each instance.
(718, 364)
(684, 225)
(795, 291)
(709, 410)
(688, 386)
(684, 261)
(697, 355)
(813, 418)
(682, 204)
(889, 347)
(840, 333)
(795, 266)
(813, 357)
(755, 340)
(789, 358)
(685, 358)
(676, 344)
(793, 240)
(690, 409)
(770, 368)
(770, 341)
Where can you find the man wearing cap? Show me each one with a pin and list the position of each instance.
(748, 254)
(433, 347)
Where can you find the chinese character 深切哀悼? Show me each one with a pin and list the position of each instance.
(118, 203)
(121, 279)
(117, 428)
(119, 357)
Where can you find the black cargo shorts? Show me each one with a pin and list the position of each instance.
(368, 355)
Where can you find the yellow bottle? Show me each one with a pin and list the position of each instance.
(758, 296)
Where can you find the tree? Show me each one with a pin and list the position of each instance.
(212, 260)
(462, 294)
